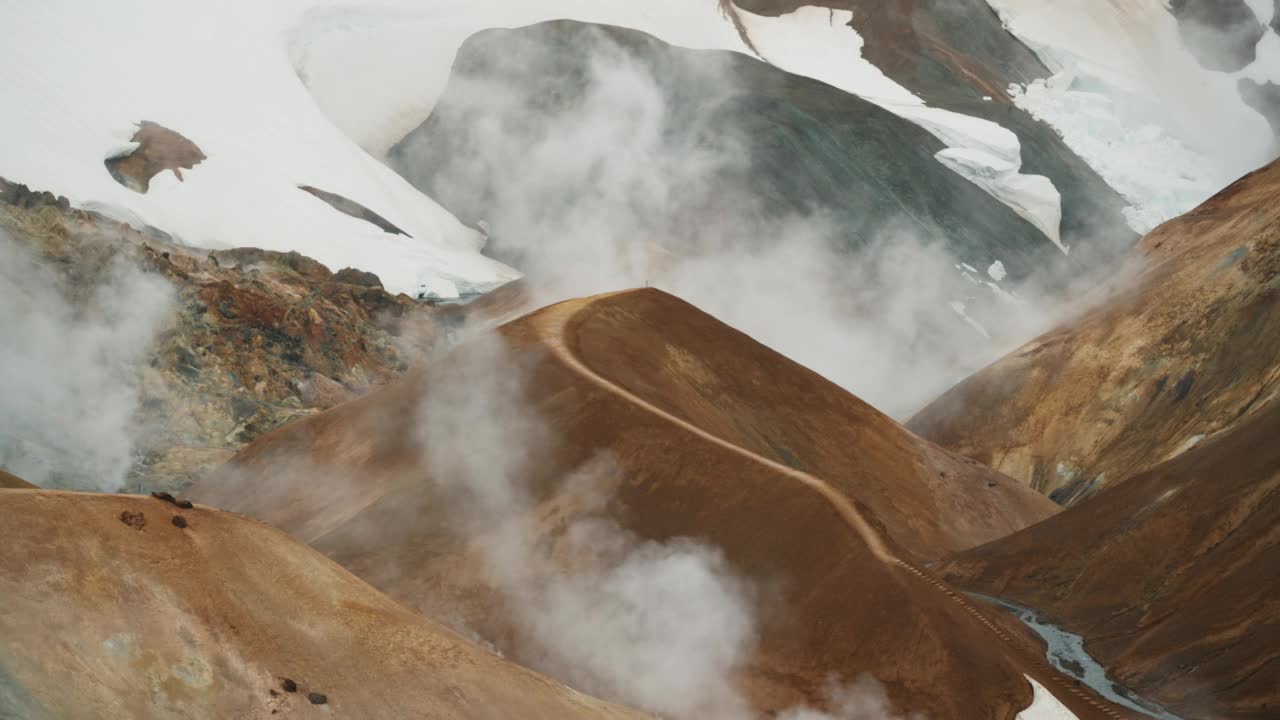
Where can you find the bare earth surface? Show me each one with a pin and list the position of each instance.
(836, 549)
(112, 610)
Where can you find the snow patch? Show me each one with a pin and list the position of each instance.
(959, 308)
(217, 74)
(1031, 196)
(996, 271)
(1134, 103)
(1044, 706)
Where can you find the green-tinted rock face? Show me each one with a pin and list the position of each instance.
(565, 130)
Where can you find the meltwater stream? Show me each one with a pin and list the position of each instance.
(1066, 653)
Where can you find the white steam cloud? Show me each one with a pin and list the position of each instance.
(69, 369)
(662, 626)
(896, 322)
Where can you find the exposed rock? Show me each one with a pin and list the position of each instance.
(1189, 348)
(957, 55)
(259, 337)
(355, 210)
(159, 149)
(135, 520)
(321, 392)
(351, 276)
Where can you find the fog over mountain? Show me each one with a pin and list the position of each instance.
(729, 359)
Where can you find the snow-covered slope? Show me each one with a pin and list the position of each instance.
(226, 75)
(1128, 97)
(410, 47)
(1133, 101)
(80, 74)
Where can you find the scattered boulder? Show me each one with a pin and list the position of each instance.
(352, 276)
(316, 698)
(179, 521)
(288, 685)
(135, 520)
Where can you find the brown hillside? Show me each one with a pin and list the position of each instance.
(1172, 577)
(11, 481)
(110, 610)
(1191, 350)
(714, 437)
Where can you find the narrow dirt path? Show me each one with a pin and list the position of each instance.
(551, 323)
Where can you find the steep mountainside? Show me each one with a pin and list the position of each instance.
(13, 482)
(247, 340)
(955, 54)
(1132, 93)
(656, 421)
(1171, 577)
(1190, 350)
(112, 608)
(774, 145)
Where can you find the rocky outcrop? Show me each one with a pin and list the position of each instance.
(1189, 349)
(158, 149)
(257, 338)
(354, 209)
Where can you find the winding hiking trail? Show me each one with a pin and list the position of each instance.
(552, 325)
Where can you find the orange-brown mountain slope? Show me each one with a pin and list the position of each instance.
(1172, 577)
(1192, 349)
(11, 481)
(709, 436)
(112, 610)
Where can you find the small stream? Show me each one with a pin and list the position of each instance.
(1066, 653)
